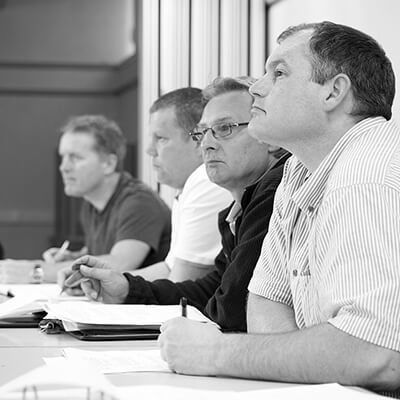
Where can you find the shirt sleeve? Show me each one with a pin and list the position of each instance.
(142, 217)
(196, 238)
(270, 278)
(360, 289)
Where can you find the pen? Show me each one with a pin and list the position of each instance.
(8, 293)
(62, 249)
(73, 280)
(183, 304)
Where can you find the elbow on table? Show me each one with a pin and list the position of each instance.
(383, 371)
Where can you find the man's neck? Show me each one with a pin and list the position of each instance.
(102, 194)
(312, 151)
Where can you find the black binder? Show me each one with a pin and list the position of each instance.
(111, 332)
(30, 320)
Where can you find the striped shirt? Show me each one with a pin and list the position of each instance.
(333, 248)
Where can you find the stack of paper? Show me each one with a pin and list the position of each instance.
(92, 315)
(113, 361)
(23, 300)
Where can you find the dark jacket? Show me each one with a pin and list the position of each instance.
(222, 293)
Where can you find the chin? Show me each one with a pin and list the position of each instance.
(72, 193)
(258, 135)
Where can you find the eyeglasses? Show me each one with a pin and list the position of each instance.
(219, 131)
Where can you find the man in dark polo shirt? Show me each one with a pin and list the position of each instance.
(125, 223)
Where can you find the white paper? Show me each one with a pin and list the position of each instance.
(68, 375)
(30, 298)
(109, 362)
(41, 291)
(331, 391)
(119, 314)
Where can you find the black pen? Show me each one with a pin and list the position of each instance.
(183, 304)
(7, 294)
(73, 280)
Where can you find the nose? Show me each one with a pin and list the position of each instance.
(209, 141)
(64, 164)
(151, 150)
(260, 88)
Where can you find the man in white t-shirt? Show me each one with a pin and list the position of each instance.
(193, 214)
(178, 163)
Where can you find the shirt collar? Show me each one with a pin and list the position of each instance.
(311, 186)
(234, 213)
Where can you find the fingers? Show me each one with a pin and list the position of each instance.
(89, 261)
(62, 275)
(75, 291)
(95, 273)
(91, 289)
(49, 254)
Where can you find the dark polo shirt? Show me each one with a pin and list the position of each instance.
(134, 211)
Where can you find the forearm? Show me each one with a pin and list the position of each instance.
(183, 270)
(320, 354)
(164, 291)
(152, 272)
(121, 263)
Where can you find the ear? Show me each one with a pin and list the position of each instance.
(338, 92)
(110, 162)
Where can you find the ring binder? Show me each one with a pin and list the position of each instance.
(97, 394)
(25, 390)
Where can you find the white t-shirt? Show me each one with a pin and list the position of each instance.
(195, 236)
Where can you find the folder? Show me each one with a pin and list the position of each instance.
(22, 305)
(93, 321)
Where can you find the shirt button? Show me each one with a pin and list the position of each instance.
(295, 272)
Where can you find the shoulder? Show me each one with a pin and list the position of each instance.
(135, 188)
(270, 181)
(136, 195)
(372, 158)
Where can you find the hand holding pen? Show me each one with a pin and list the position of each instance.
(54, 254)
(97, 280)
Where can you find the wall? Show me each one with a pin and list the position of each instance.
(66, 31)
(376, 17)
(58, 58)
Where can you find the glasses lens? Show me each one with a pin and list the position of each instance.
(196, 135)
(222, 130)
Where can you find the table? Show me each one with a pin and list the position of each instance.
(22, 349)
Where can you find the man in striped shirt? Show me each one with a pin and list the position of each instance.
(324, 303)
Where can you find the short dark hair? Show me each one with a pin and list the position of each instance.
(187, 104)
(107, 134)
(338, 49)
(221, 85)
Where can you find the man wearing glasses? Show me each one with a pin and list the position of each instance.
(251, 172)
